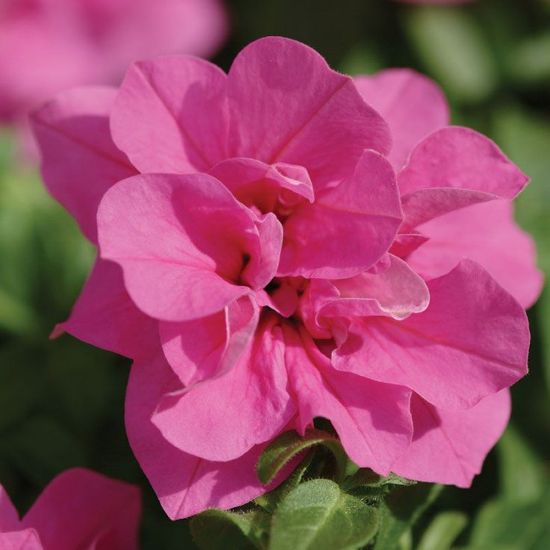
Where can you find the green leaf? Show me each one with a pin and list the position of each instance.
(289, 445)
(318, 515)
(401, 509)
(443, 531)
(269, 501)
(217, 529)
(452, 48)
(522, 476)
(530, 62)
(505, 524)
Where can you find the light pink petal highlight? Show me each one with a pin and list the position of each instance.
(412, 105)
(472, 341)
(181, 242)
(169, 115)
(348, 228)
(26, 539)
(287, 105)
(450, 446)
(79, 159)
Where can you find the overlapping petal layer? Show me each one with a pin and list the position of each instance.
(268, 258)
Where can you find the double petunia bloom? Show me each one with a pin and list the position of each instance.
(283, 243)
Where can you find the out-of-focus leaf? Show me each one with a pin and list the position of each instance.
(41, 448)
(289, 445)
(504, 524)
(220, 530)
(525, 137)
(318, 515)
(452, 48)
(530, 62)
(521, 474)
(401, 509)
(443, 531)
(362, 59)
(21, 383)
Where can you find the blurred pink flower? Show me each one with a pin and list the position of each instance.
(254, 232)
(49, 45)
(78, 509)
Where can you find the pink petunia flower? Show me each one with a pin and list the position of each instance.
(78, 509)
(260, 259)
(49, 45)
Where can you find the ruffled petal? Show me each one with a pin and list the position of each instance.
(371, 418)
(348, 228)
(78, 157)
(287, 105)
(471, 342)
(449, 446)
(248, 405)
(461, 158)
(181, 241)
(170, 116)
(488, 234)
(413, 105)
(105, 316)
(184, 484)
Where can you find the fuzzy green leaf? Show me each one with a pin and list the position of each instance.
(289, 445)
(318, 515)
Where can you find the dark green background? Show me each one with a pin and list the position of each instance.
(61, 402)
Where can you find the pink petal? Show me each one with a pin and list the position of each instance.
(262, 266)
(169, 115)
(246, 406)
(450, 446)
(426, 204)
(262, 185)
(487, 234)
(184, 484)
(181, 242)
(412, 105)
(461, 158)
(9, 518)
(206, 347)
(287, 105)
(27, 539)
(105, 316)
(372, 419)
(80, 507)
(396, 291)
(472, 341)
(79, 159)
(348, 228)
(406, 243)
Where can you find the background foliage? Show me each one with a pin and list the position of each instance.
(61, 402)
